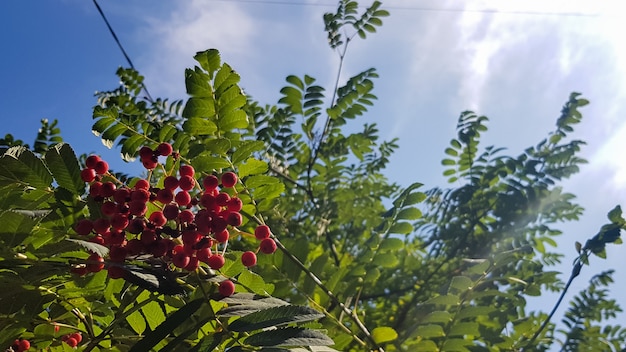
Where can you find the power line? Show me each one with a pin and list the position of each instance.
(420, 8)
(119, 44)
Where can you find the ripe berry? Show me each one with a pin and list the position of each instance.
(186, 170)
(102, 167)
(114, 272)
(268, 246)
(222, 199)
(142, 184)
(121, 195)
(170, 212)
(77, 336)
(186, 216)
(146, 153)
(203, 254)
(248, 258)
(147, 237)
(151, 163)
(160, 247)
(101, 226)
(210, 182)
(165, 196)
(117, 254)
(180, 259)
(95, 263)
(227, 288)
(234, 219)
(170, 182)
(221, 236)
(70, 341)
(91, 161)
(235, 204)
(229, 179)
(218, 224)
(88, 175)
(137, 208)
(193, 264)
(95, 189)
(108, 208)
(83, 227)
(119, 221)
(215, 262)
(141, 195)
(262, 232)
(134, 247)
(186, 183)
(164, 149)
(21, 345)
(183, 198)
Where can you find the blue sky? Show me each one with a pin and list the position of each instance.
(515, 63)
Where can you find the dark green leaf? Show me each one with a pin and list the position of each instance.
(275, 316)
(289, 337)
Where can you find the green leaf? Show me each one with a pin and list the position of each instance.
(402, 228)
(20, 165)
(615, 215)
(252, 281)
(384, 334)
(460, 284)
(64, 166)
(209, 60)
(207, 163)
(92, 247)
(199, 126)
(197, 84)
(386, 260)
(173, 321)
(391, 244)
(245, 150)
(474, 311)
(409, 214)
(448, 300)
(464, 328)
(252, 167)
(430, 330)
(456, 345)
(289, 337)
(275, 316)
(438, 316)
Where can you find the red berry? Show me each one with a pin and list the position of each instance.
(235, 204)
(164, 149)
(160, 247)
(147, 237)
(165, 196)
(234, 219)
(170, 212)
(210, 182)
(203, 254)
(79, 270)
(101, 226)
(141, 195)
(180, 259)
(191, 237)
(262, 232)
(136, 225)
(97, 239)
(222, 236)
(108, 208)
(122, 195)
(91, 161)
(222, 199)
(216, 262)
(95, 189)
(102, 167)
(218, 224)
(117, 254)
(134, 247)
(151, 163)
(77, 336)
(226, 288)
(268, 246)
(142, 184)
(119, 221)
(229, 179)
(23, 345)
(115, 272)
(186, 170)
(83, 227)
(71, 342)
(186, 216)
(183, 198)
(170, 182)
(108, 189)
(186, 183)
(207, 200)
(146, 153)
(95, 263)
(88, 175)
(248, 258)
(137, 208)
(193, 264)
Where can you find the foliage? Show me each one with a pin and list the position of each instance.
(363, 263)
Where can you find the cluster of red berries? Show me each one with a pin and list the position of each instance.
(73, 339)
(190, 220)
(20, 345)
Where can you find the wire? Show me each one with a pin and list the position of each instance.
(119, 44)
